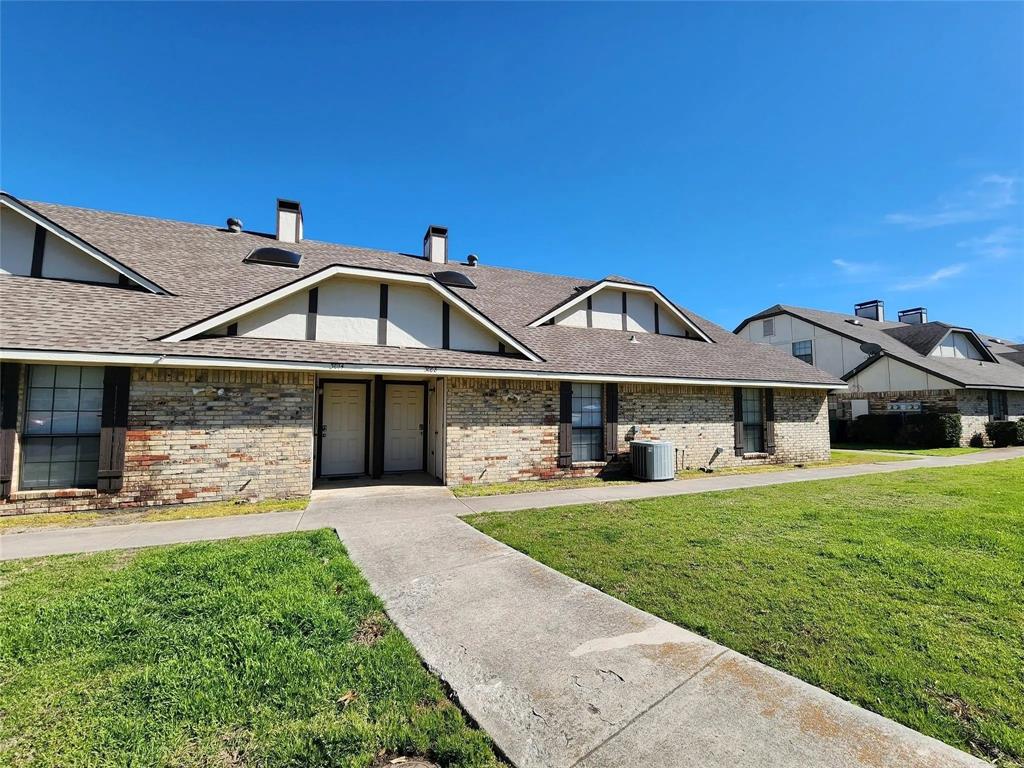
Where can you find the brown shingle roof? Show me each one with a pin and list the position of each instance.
(202, 268)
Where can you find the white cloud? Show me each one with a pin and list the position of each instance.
(997, 244)
(987, 198)
(931, 279)
(855, 268)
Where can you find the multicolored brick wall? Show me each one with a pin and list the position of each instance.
(204, 435)
(502, 430)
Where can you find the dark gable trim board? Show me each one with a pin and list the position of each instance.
(233, 329)
(113, 429)
(10, 379)
(625, 315)
(314, 300)
(657, 318)
(446, 335)
(590, 312)
(382, 320)
(38, 250)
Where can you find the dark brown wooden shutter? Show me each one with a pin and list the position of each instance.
(113, 429)
(565, 424)
(769, 421)
(611, 418)
(10, 375)
(737, 420)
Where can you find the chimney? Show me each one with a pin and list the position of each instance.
(914, 316)
(435, 244)
(289, 221)
(872, 310)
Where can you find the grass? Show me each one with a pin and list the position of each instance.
(839, 458)
(903, 593)
(914, 451)
(269, 651)
(17, 523)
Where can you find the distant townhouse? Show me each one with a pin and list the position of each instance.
(912, 365)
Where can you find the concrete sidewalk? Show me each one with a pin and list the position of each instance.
(713, 482)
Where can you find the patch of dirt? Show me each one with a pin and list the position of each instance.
(402, 761)
(372, 629)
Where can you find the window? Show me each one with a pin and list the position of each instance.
(997, 407)
(587, 432)
(768, 327)
(753, 421)
(60, 442)
(804, 350)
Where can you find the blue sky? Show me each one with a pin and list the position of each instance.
(735, 155)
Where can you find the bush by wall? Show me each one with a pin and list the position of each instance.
(838, 430)
(916, 430)
(1004, 433)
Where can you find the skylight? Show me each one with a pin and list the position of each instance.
(274, 257)
(453, 279)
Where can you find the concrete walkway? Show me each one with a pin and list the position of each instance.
(559, 674)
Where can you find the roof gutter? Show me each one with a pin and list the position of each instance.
(195, 361)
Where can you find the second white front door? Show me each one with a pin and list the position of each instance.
(403, 428)
(343, 432)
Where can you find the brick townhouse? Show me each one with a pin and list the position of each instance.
(147, 361)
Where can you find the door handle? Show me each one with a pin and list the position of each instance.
(323, 430)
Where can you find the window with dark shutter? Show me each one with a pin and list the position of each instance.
(769, 421)
(113, 432)
(737, 421)
(61, 434)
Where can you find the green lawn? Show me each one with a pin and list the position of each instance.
(269, 651)
(848, 447)
(901, 592)
(18, 523)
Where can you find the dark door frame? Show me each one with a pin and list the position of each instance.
(380, 422)
(320, 423)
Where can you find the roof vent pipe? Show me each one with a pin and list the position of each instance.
(435, 244)
(915, 316)
(234, 225)
(289, 221)
(472, 260)
(872, 310)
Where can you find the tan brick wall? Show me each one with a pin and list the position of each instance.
(500, 430)
(204, 435)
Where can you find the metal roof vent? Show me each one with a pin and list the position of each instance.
(234, 225)
(854, 321)
(472, 260)
(633, 339)
(274, 257)
(453, 279)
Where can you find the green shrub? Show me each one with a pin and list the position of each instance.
(1004, 433)
(977, 441)
(838, 430)
(915, 430)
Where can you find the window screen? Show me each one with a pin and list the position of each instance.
(804, 350)
(753, 421)
(997, 405)
(587, 432)
(60, 442)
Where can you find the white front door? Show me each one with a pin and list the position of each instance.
(343, 431)
(403, 428)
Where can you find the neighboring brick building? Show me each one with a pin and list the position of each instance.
(911, 365)
(152, 362)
